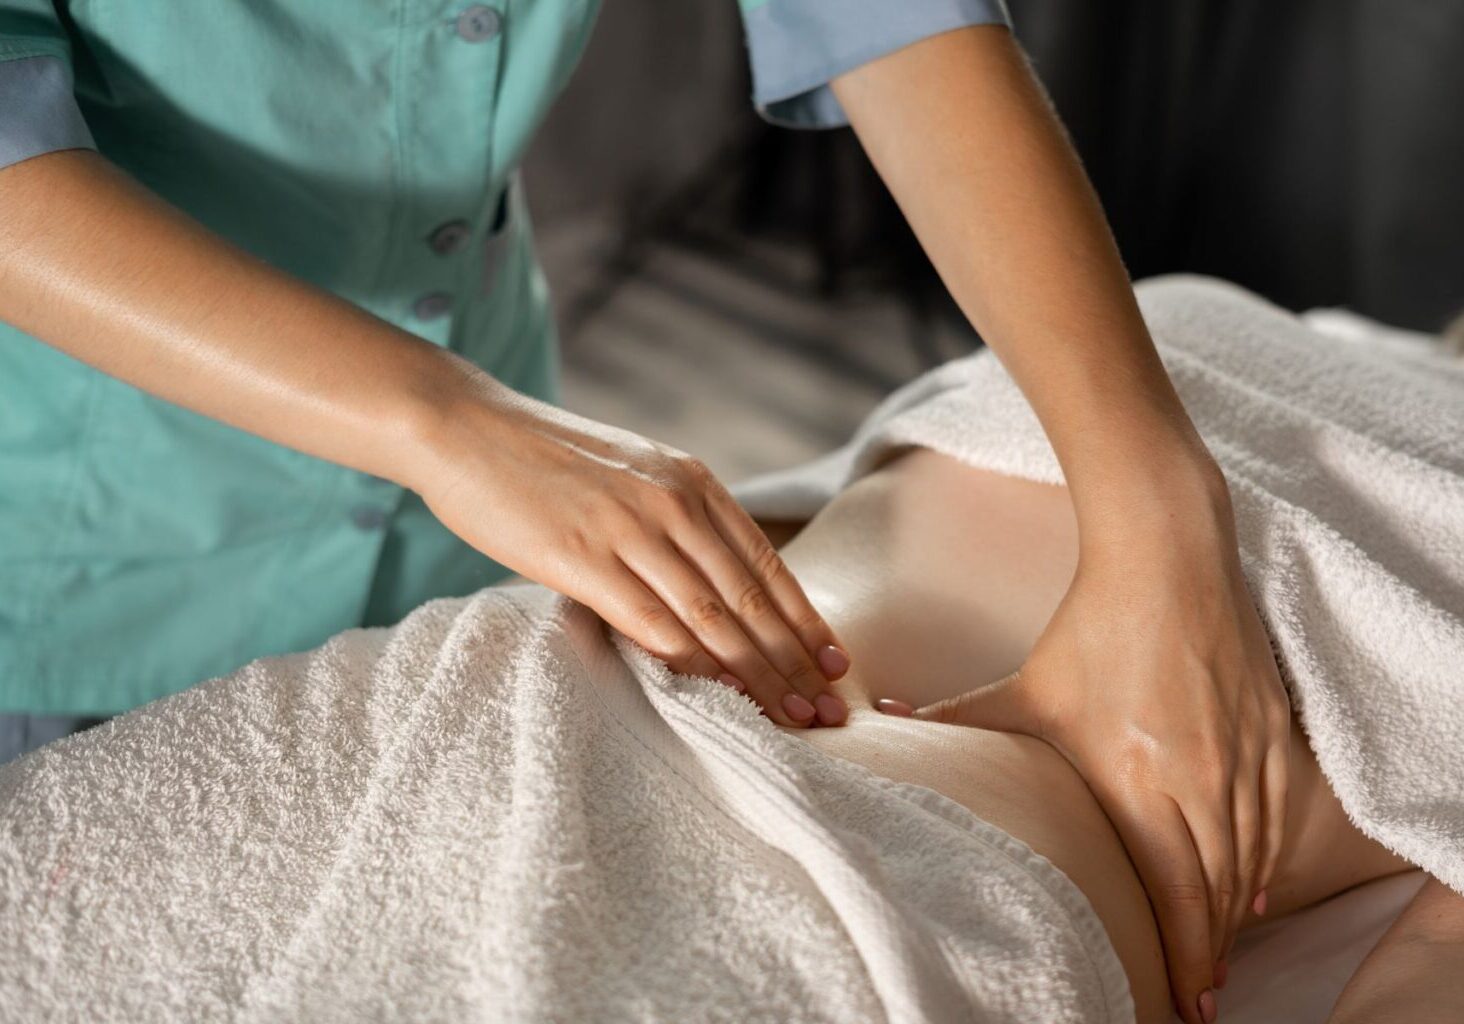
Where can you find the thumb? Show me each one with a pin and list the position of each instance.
(1001, 705)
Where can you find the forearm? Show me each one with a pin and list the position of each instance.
(969, 146)
(101, 269)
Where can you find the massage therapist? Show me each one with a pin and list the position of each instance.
(277, 360)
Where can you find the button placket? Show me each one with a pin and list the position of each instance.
(477, 23)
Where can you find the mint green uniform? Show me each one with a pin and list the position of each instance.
(369, 148)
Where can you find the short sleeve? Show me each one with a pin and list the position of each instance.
(38, 109)
(798, 47)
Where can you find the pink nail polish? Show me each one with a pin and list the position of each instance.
(898, 708)
(1259, 903)
(798, 709)
(832, 661)
(831, 710)
(732, 681)
(1208, 1010)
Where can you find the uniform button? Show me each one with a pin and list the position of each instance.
(449, 238)
(478, 23)
(432, 306)
(368, 517)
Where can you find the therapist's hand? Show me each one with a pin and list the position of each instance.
(1156, 680)
(641, 533)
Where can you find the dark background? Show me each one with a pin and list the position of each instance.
(1310, 150)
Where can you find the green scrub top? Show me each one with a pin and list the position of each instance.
(369, 148)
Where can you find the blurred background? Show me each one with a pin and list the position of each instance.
(747, 293)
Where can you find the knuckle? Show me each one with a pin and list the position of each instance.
(1221, 899)
(807, 622)
(1134, 761)
(767, 563)
(675, 503)
(670, 649)
(577, 543)
(687, 474)
(654, 620)
(695, 470)
(1183, 897)
(947, 712)
(753, 602)
(707, 611)
(659, 633)
(762, 679)
(803, 678)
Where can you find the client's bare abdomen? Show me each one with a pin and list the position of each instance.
(939, 578)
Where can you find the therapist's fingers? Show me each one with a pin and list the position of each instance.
(1245, 814)
(1207, 813)
(767, 567)
(748, 601)
(1158, 841)
(1275, 780)
(627, 604)
(706, 616)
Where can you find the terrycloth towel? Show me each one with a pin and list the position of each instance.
(1344, 449)
(493, 812)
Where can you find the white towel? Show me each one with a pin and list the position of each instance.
(493, 812)
(1345, 457)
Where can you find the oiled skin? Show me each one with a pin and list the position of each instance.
(939, 577)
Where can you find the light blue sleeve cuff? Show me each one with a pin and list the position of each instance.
(38, 111)
(799, 46)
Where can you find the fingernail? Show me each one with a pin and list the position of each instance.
(831, 710)
(1222, 972)
(733, 682)
(898, 708)
(1259, 903)
(798, 709)
(1208, 1009)
(833, 661)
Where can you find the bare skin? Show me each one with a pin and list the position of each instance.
(941, 577)
(1415, 974)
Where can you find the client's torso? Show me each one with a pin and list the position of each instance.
(939, 578)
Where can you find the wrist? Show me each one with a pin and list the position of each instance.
(445, 401)
(1163, 494)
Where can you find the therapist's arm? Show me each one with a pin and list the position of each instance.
(103, 270)
(1155, 676)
